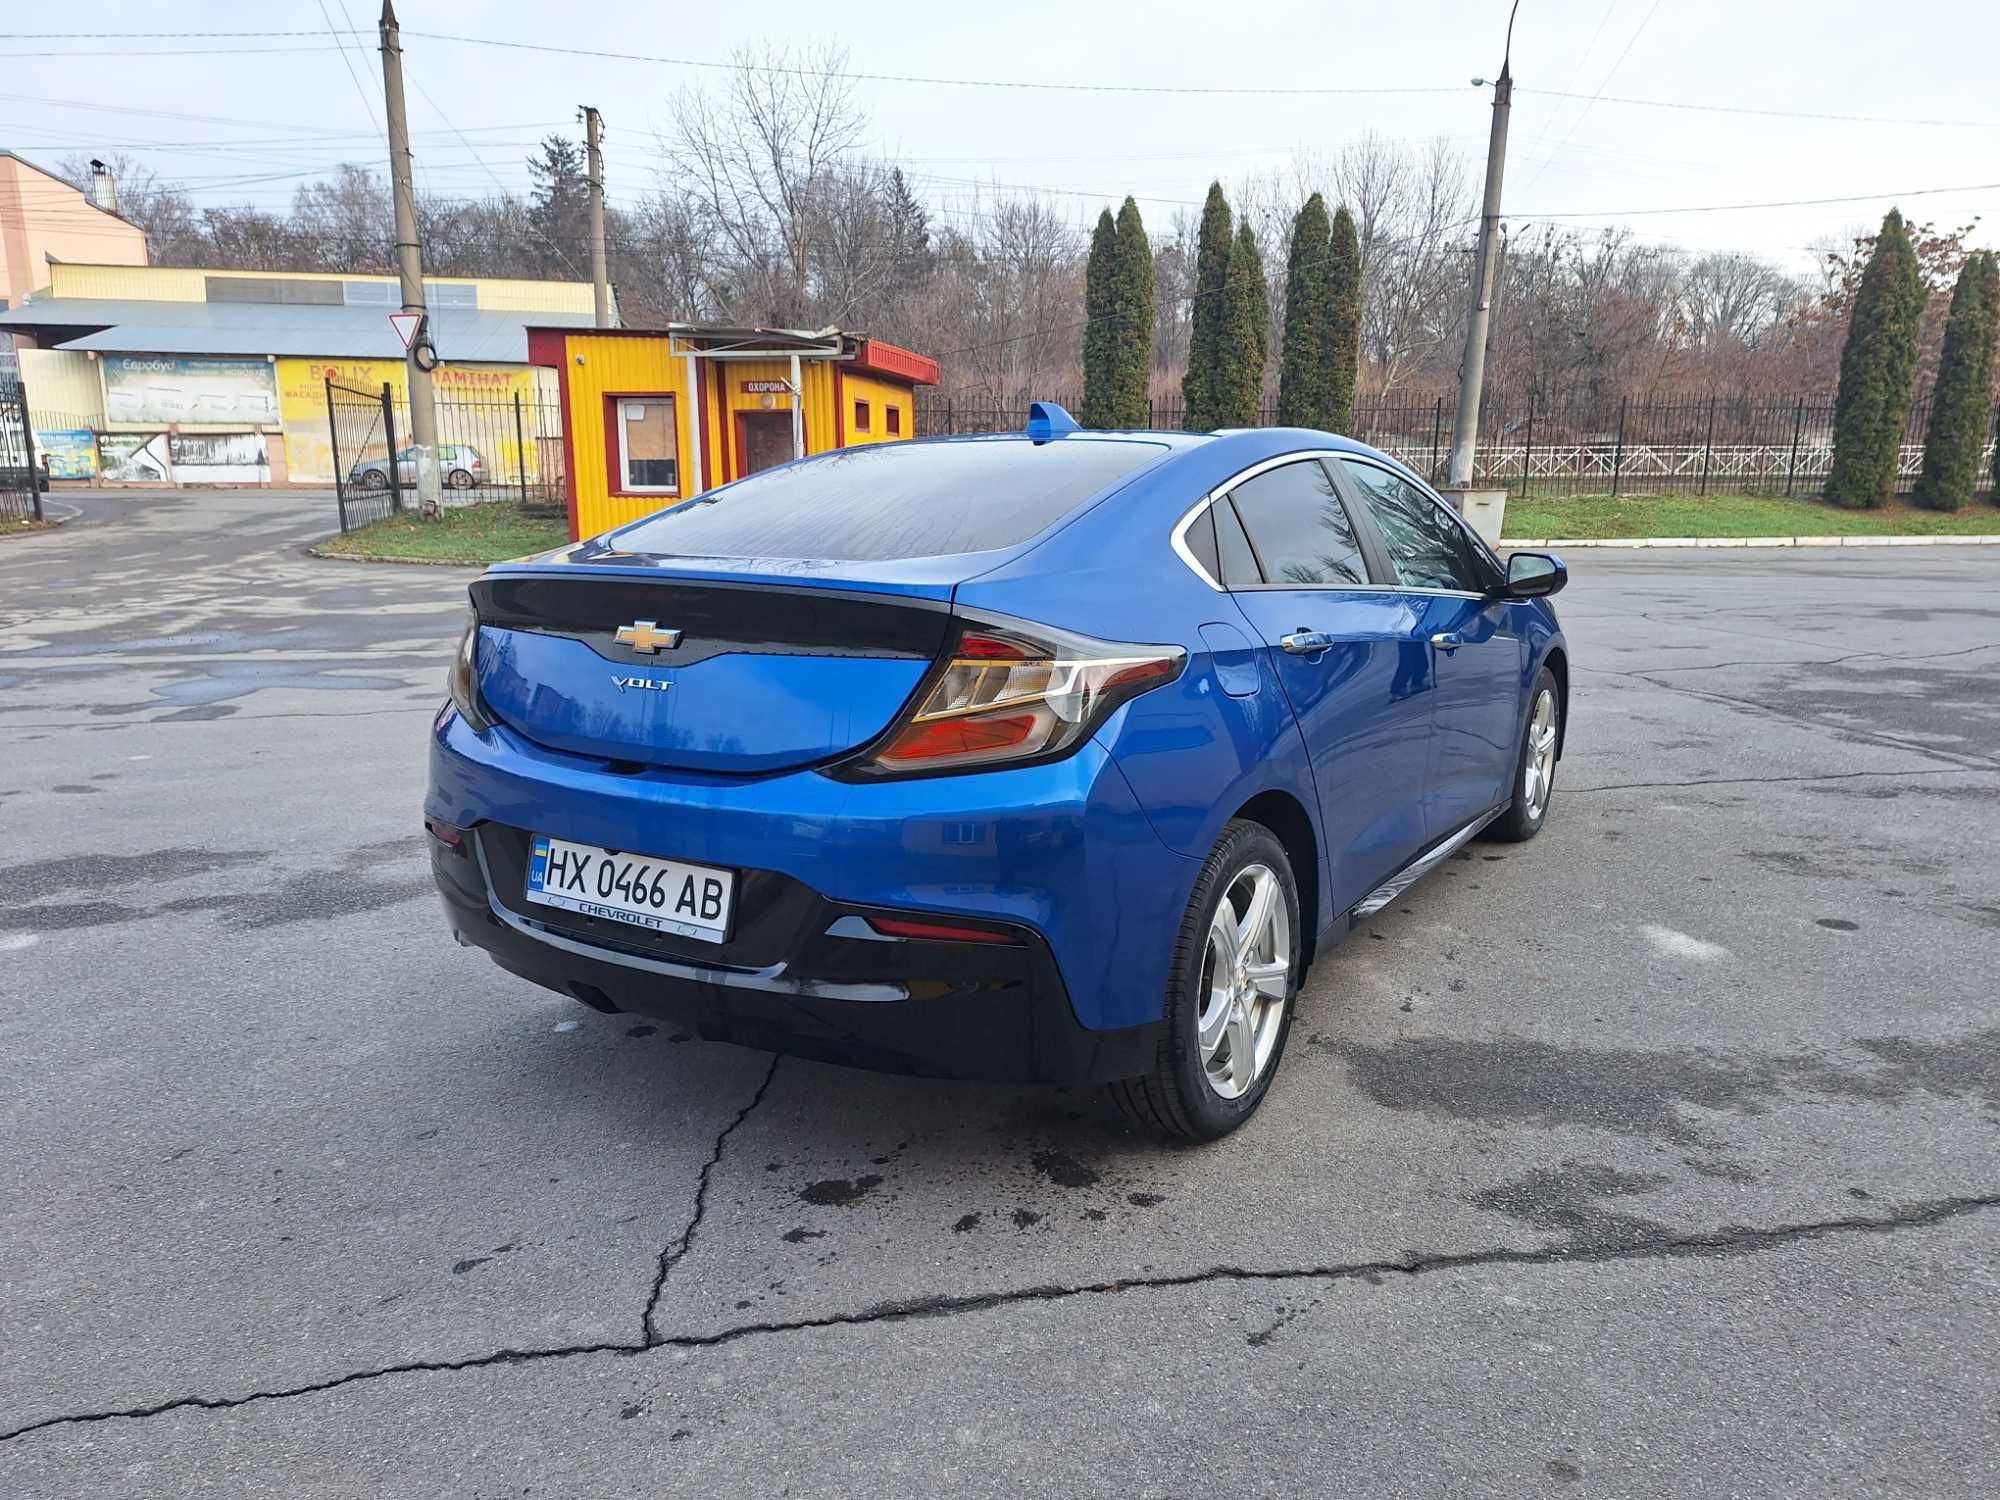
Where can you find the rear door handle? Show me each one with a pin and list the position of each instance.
(1304, 642)
(1448, 642)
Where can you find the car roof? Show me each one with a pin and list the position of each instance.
(1217, 454)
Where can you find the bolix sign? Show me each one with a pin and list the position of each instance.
(406, 325)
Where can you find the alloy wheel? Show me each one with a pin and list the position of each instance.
(1538, 778)
(1246, 981)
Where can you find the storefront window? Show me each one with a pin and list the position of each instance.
(648, 444)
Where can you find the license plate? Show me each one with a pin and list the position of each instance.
(664, 895)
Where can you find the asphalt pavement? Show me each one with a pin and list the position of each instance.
(1659, 1156)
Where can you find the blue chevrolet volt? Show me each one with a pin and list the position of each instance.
(1051, 756)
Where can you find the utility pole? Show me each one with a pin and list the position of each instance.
(600, 283)
(1472, 372)
(409, 261)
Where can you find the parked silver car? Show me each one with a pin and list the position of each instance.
(459, 464)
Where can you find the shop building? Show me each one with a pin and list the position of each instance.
(651, 417)
(167, 375)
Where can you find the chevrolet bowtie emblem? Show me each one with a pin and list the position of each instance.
(644, 635)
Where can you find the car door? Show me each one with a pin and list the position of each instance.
(1351, 655)
(1477, 655)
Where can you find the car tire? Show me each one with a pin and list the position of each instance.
(1535, 769)
(1195, 1091)
(459, 479)
(375, 479)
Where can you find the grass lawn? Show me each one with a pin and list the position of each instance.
(18, 525)
(491, 531)
(1601, 517)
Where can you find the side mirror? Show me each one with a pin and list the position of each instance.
(1534, 575)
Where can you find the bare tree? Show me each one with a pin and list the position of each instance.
(663, 261)
(761, 158)
(1413, 216)
(1732, 299)
(347, 223)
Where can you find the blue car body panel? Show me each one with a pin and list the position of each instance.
(1381, 743)
(1062, 848)
(775, 710)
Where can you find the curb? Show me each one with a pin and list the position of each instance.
(49, 527)
(400, 562)
(1759, 541)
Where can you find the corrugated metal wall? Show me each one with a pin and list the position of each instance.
(618, 366)
(882, 397)
(178, 284)
(63, 388)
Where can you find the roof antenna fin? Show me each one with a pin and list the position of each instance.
(1047, 420)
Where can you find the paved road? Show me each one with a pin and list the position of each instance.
(1658, 1157)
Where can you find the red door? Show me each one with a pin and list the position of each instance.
(765, 439)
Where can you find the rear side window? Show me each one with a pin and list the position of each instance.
(1428, 547)
(1301, 532)
(1238, 562)
(895, 500)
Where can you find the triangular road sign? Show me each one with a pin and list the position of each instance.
(406, 325)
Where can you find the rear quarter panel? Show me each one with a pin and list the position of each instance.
(1192, 752)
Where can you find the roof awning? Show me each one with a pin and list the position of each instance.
(114, 326)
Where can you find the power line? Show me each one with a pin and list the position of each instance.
(731, 67)
(1770, 114)
(953, 82)
(367, 104)
(1617, 63)
(174, 51)
(496, 179)
(1723, 208)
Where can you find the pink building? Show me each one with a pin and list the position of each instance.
(43, 218)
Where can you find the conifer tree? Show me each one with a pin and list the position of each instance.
(1962, 403)
(1344, 331)
(1245, 336)
(1099, 335)
(1305, 362)
(1877, 366)
(1132, 366)
(1211, 273)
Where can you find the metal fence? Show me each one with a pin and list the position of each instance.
(1588, 445)
(20, 477)
(507, 448)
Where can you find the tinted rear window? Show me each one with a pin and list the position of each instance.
(895, 500)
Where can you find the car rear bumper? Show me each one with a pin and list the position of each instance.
(1058, 860)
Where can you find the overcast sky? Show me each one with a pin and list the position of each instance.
(217, 114)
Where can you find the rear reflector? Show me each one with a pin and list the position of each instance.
(939, 932)
(948, 740)
(444, 833)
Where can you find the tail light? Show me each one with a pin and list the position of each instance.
(463, 677)
(1008, 695)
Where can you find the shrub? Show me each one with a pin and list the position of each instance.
(1962, 405)
(1246, 330)
(1305, 362)
(1877, 366)
(1211, 274)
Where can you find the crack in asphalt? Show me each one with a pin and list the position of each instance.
(1801, 721)
(1826, 661)
(671, 1256)
(1721, 1243)
(1628, 786)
